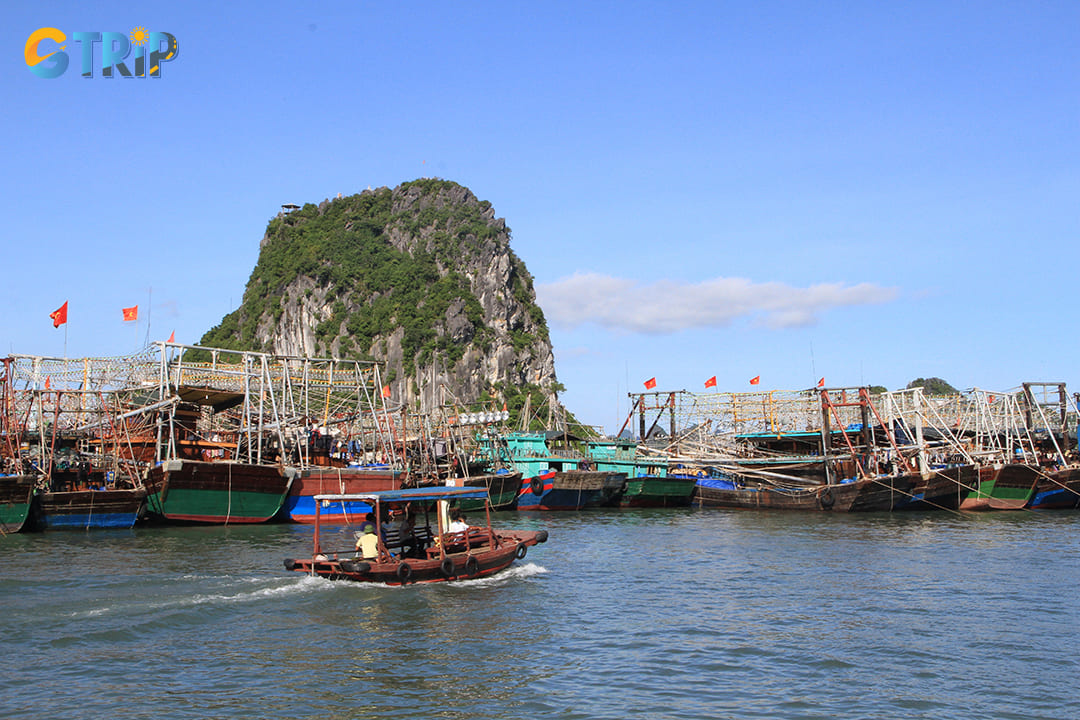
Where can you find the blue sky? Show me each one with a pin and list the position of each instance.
(866, 192)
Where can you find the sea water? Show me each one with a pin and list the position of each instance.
(621, 614)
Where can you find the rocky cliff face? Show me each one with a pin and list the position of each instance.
(420, 277)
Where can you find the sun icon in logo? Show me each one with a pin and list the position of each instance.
(139, 36)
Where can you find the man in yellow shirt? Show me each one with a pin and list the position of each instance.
(367, 542)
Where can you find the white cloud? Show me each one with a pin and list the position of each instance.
(666, 306)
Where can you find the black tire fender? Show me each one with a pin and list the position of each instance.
(404, 572)
(447, 566)
(472, 566)
(827, 497)
(536, 485)
(355, 566)
(290, 564)
(521, 550)
(542, 536)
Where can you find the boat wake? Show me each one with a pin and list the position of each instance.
(288, 587)
(280, 588)
(511, 574)
(514, 573)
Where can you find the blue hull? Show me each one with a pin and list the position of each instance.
(88, 520)
(553, 499)
(301, 509)
(1056, 499)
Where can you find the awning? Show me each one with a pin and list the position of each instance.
(425, 494)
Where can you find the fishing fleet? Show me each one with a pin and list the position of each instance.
(184, 434)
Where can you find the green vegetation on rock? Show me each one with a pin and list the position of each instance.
(933, 386)
(415, 276)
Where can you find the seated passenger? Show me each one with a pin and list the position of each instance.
(457, 522)
(367, 542)
(393, 524)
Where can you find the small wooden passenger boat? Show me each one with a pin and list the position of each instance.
(428, 552)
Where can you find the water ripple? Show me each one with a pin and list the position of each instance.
(650, 614)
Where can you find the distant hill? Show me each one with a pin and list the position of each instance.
(420, 277)
(933, 386)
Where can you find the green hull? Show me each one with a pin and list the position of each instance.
(1010, 487)
(16, 502)
(13, 516)
(658, 492)
(215, 506)
(503, 490)
(216, 493)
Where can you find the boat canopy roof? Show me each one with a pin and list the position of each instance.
(413, 494)
(218, 399)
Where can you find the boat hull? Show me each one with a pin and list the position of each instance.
(657, 491)
(941, 489)
(217, 493)
(300, 503)
(1057, 490)
(1007, 487)
(16, 502)
(877, 494)
(470, 565)
(503, 490)
(571, 490)
(84, 509)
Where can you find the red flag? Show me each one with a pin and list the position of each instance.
(755, 380)
(47, 379)
(504, 406)
(711, 382)
(821, 382)
(172, 336)
(59, 316)
(650, 383)
(131, 313)
(386, 391)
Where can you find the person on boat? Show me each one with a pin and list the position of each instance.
(457, 522)
(393, 524)
(367, 544)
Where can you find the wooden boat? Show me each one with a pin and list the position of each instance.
(866, 494)
(1003, 487)
(648, 481)
(881, 493)
(218, 493)
(80, 496)
(571, 490)
(557, 476)
(1057, 490)
(300, 503)
(92, 508)
(16, 502)
(657, 491)
(503, 489)
(431, 554)
(941, 488)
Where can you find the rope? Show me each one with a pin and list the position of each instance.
(228, 511)
(90, 515)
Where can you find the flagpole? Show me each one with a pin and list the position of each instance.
(149, 309)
